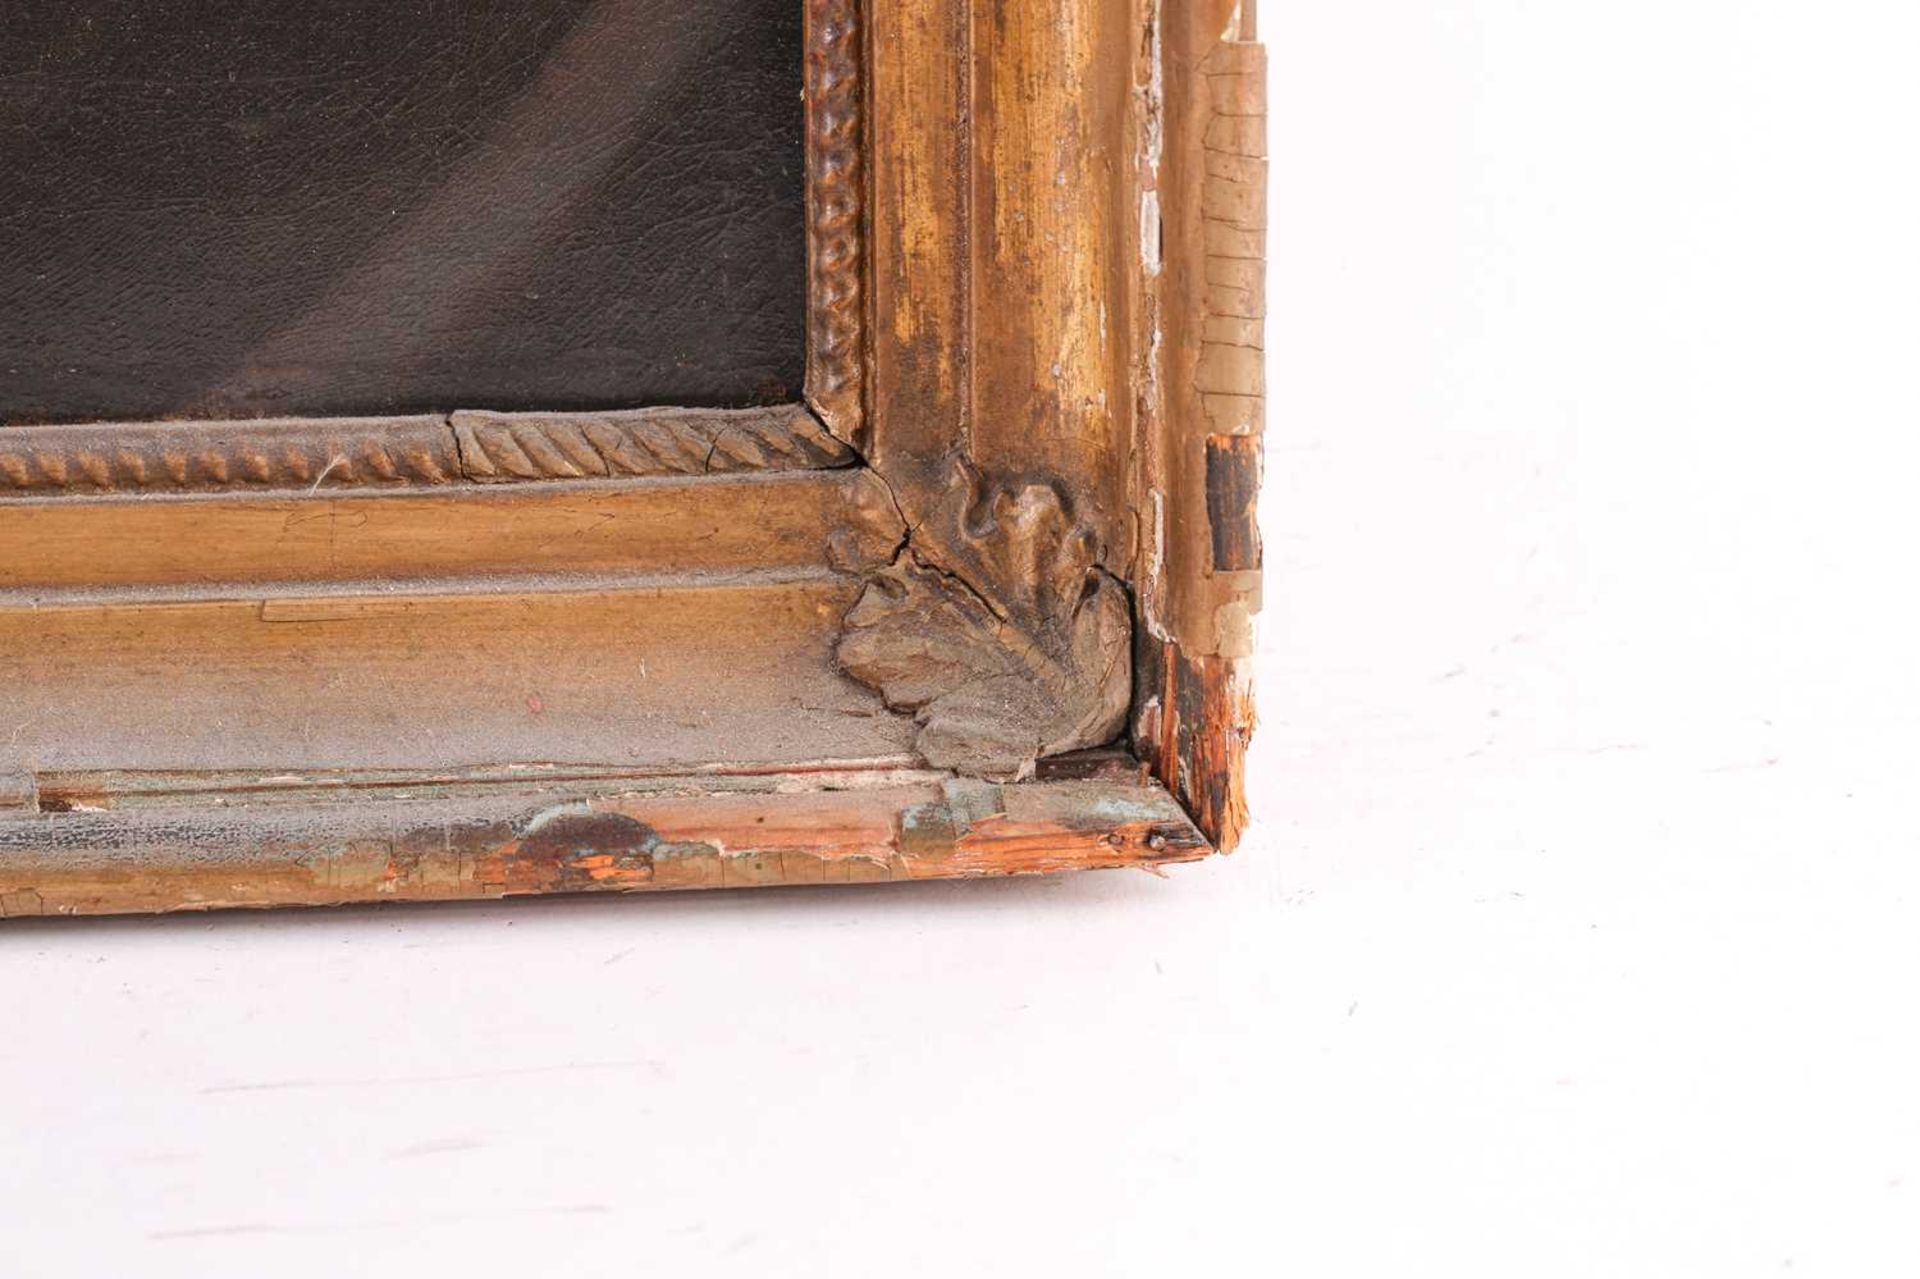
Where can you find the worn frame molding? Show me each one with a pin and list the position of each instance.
(467, 446)
(986, 608)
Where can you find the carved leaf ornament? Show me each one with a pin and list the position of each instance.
(997, 628)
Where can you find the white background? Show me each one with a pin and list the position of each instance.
(1579, 931)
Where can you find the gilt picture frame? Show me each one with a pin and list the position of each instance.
(980, 604)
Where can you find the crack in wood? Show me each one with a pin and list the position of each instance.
(995, 625)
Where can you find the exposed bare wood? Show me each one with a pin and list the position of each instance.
(1194, 722)
(511, 844)
(997, 628)
(115, 789)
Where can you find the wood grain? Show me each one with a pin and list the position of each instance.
(208, 545)
(503, 447)
(836, 209)
(1002, 358)
(1051, 237)
(999, 273)
(514, 842)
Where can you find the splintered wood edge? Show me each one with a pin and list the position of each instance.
(996, 627)
(1202, 165)
(264, 854)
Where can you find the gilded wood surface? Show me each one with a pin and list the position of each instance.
(468, 446)
(677, 529)
(1049, 312)
(836, 208)
(1002, 347)
(199, 456)
(497, 447)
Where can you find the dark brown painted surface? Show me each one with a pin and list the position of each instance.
(1233, 485)
(252, 207)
